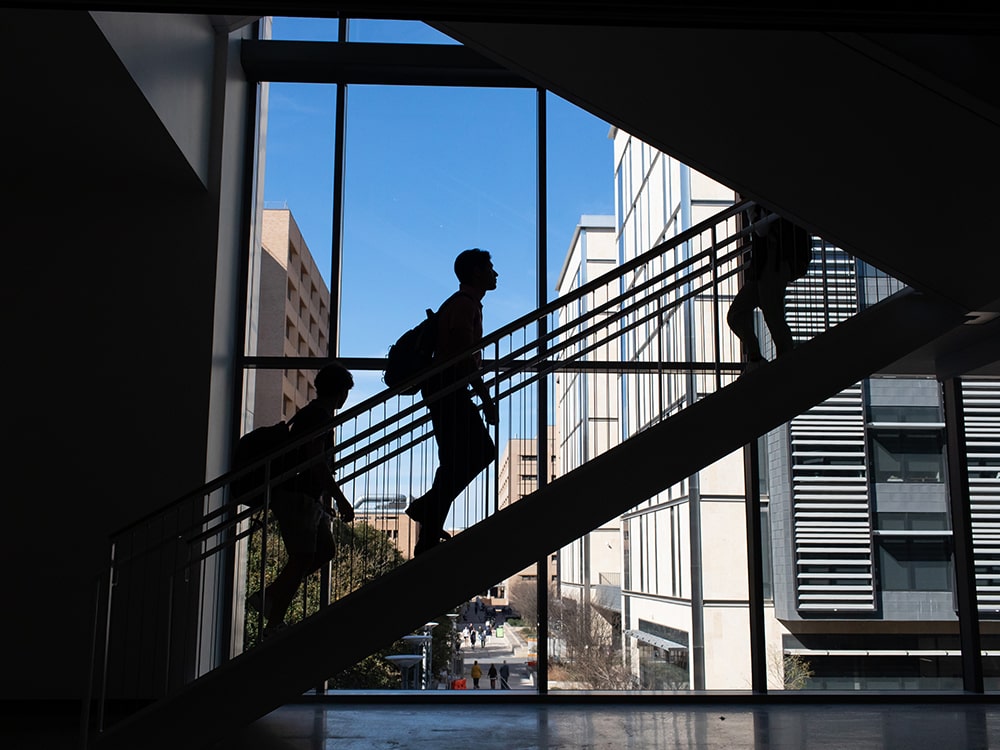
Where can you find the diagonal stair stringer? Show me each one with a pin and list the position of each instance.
(293, 661)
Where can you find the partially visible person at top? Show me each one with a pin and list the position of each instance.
(465, 447)
(302, 505)
(779, 253)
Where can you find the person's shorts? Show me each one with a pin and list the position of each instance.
(301, 518)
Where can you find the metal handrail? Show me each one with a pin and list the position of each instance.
(380, 398)
(182, 538)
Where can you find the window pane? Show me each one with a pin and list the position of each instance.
(908, 456)
(398, 32)
(289, 280)
(429, 173)
(289, 28)
(915, 565)
(912, 521)
(923, 414)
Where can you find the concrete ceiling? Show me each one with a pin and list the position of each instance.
(884, 144)
(74, 118)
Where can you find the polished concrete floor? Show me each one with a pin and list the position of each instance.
(499, 724)
(715, 726)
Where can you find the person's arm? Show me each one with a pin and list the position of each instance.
(344, 508)
(461, 336)
(322, 476)
(332, 490)
(490, 412)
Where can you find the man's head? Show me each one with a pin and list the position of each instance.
(474, 268)
(334, 382)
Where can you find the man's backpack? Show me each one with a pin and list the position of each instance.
(411, 353)
(251, 447)
(795, 245)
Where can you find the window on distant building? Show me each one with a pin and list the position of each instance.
(910, 564)
(896, 414)
(908, 455)
(912, 521)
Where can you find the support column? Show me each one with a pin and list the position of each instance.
(755, 570)
(542, 410)
(961, 527)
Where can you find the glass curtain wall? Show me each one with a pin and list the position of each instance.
(855, 538)
(370, 191)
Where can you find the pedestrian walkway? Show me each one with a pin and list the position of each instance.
(509, 648)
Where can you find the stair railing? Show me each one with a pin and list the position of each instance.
(172, 601)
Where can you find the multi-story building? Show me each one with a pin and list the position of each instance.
(588, 419)
(856, 536)
(518, 477)
(288, 315)
(386, 513)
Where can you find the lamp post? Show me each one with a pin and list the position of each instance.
(404, 662)
(429, 664)
(424, 641)
(453, 616)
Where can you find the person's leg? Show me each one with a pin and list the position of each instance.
(741, 319)
(426, 508)
(772, 306)
(298, 517)
(325, 546)
(464, 450)
(280, 593)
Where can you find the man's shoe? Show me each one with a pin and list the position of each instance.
(426, 541)
(270, 630)
(423, 545)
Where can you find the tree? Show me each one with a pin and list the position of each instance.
(592, 646)
(523, 596)
(791, 670)
(363, 554)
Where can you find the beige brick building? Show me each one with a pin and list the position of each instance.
(290, 317)
(518, 478)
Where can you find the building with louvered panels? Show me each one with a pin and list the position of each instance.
(856, 531)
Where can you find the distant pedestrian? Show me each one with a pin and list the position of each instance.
(472, 637)
(492, 674)
(476, 673)
(504, 676)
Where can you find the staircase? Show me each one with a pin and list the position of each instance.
(566, 335)
(284, 667)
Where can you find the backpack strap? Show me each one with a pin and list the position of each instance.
(459, 293)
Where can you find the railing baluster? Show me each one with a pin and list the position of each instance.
(385, 446)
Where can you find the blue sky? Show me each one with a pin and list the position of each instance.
(429, 172)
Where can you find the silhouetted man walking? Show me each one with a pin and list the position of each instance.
(464, 444)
